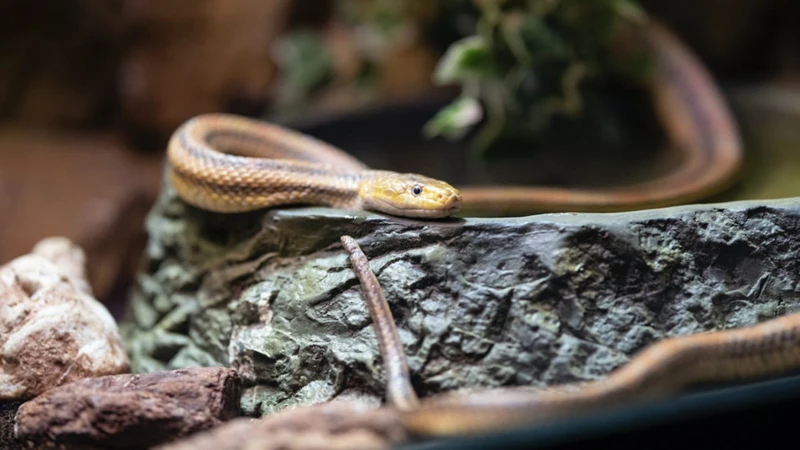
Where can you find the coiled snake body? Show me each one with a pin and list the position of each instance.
(229, 164)
(225, 163)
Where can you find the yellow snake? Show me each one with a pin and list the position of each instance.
(231, 164)
(225, 163)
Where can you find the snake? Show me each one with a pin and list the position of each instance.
(228, 164)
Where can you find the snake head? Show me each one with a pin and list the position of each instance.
(408, 195)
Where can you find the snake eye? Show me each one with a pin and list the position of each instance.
(416, 190)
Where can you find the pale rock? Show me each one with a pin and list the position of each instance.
(52, 331)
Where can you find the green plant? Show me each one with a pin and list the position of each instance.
(527, 61)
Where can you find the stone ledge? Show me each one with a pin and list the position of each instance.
(534, 300)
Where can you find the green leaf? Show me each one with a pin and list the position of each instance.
(455, 120)
(466, 59)
(305, 63)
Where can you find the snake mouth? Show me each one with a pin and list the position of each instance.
(431, 213)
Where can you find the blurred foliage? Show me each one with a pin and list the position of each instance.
(306, 64)
(519, 63)
(385, 20)
(312, 60)
(527, 61)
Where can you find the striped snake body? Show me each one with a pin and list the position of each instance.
(230, 164)
(226, 164)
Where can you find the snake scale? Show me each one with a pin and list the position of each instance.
(229, 164)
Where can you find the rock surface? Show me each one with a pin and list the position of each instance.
(52, 331)
(129, 411)
(330, 426)
(534, 300)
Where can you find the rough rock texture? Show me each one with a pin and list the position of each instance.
(330, 426)
(480, 302)
(52, 331)
(130, 411)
